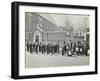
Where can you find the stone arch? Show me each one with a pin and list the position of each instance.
(37, 36)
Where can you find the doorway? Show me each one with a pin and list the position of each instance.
(37, 38)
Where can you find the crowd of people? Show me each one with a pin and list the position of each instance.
(71, 48)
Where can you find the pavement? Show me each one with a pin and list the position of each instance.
(48, 60)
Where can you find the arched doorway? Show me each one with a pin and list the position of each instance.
(37, 36)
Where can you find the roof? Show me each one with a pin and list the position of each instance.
(54, 29)
(48, 17)
(59, 30)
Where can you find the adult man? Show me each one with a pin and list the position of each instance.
(86, 48)
(48, 48)
(40, 47)
(33, 47)
(36, 47)
(28, 46)
(67, 48)
(64, 48)
(78, 48)
(70, 51)
(43, 48)
(58, 48)
(52, 48)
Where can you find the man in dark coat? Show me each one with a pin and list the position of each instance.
(64, 48)
(58, 48)
(81, 49)
(28, 46)
(48, 48)
(74, 47)
(31, 48)
(43, 48)
(77, 48)
(52, 49)
(86, 48)
(36, 47)
(67, 48)
(40, 47)
(55, 48)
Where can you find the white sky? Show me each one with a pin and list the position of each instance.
(60, 20)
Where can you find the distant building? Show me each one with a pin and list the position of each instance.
(39, 27)
(87, 35)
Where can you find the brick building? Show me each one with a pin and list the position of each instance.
(39, 27)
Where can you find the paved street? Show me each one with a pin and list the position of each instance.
(44, 60)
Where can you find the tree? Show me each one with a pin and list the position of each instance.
(83, 25)
(68, 27)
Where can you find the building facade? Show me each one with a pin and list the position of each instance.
(40, 29)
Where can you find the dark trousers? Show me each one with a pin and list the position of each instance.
(36, 49)
(64, 51)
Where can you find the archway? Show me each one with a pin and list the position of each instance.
(37, 36)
